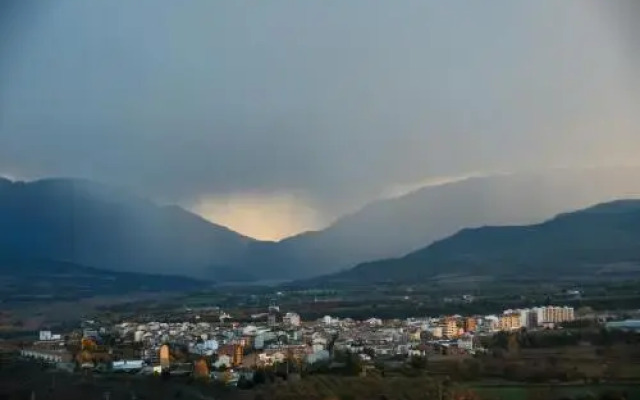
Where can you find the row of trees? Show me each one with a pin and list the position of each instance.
(513, 341)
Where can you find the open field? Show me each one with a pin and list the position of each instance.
(526, 392)
(375, 387)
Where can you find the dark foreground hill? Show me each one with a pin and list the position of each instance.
(23, 280)
(601, 240)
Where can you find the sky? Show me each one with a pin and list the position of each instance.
(276, 117)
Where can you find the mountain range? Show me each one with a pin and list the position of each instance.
(600, 240)
(394, 227)
(94, 225)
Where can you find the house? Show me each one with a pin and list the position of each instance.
(234, 351)
(291, 319)
(224, 360)
(322, 355)
(465, 342)
(127, 365)
(50, 356)
(318, 343)
(271, 357)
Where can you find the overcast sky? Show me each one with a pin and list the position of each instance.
(274, 117)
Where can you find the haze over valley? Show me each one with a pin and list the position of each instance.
(226, 142)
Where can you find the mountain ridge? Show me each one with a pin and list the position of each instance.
(392, 227)
(103, 227)
(565, 244)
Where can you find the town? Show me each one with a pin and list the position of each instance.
(228, 351)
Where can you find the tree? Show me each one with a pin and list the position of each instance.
(499, 341)
(353, 365)
(470, 369)
(513, 347)
(226, 377)
(165, 375)
(259, 377)
(613, 395)
(418, 362)
(370, 352)
(244, 383)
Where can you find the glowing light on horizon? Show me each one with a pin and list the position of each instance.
(264, 217)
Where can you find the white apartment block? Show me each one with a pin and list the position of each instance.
(538, 316)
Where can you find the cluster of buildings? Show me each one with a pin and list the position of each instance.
(222, 346)
(510, 320)
(536, 317)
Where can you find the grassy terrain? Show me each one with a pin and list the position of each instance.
(525, 392)
(405, 388)
(21, 380)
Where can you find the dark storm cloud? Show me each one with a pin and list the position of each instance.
(336, 101)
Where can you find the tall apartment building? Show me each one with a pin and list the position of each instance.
(538, 316)
(568, 314)
(528, 318)
(510, 322)
(553, 314)
(450, 328)
(470, 324)
(532, 319)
